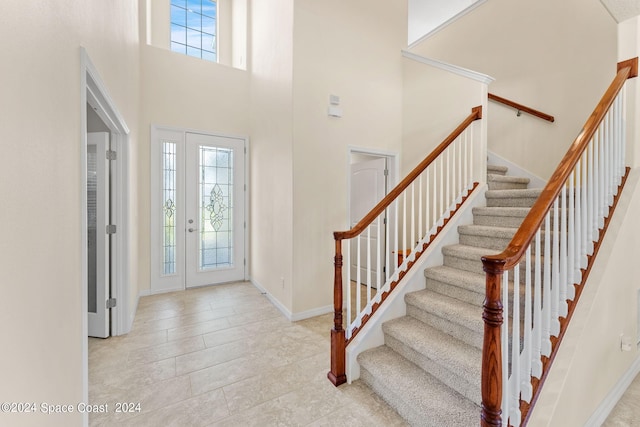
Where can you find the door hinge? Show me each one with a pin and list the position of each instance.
(386, 172)
(111, 302)
(111, 155)
(111, 229)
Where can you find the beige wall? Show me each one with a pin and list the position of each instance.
(590, 362)
(353, 50)
(40, 115)
(271, 148)
(543, 54)
(425, 123)
(188, 93)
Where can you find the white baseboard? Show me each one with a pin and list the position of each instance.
(606, 406)
(293, 317)
(271, 298)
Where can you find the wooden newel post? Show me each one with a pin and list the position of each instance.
(491, 414)
(337, 374)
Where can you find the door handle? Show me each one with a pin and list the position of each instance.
(191, 230)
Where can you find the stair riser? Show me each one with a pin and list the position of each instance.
(513, 202)
(471, 337)
(499, 185)
(475, 266)
(462, 294)
(498, 221)
(468, 387)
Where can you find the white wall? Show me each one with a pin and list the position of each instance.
(353, 50)
(40, 115)
(590, 362)
(557, 57)
(426, 122)
(271, 149)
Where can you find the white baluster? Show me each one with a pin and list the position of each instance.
(368, 263)
(514, 412)
(379, 244)
(426, 207)
(564, 276)
(348, 286)
(504, 339)
(555, 272)
(420, 190)
(602, 193)
(396, 228)
(387, 252)
(525, 381)
(536, 363)
(590, 194)
(447, 198)
(441, 207)
(412, 239)
(546, 294)
(571, 279)
(404, 223)
(358, 280)
(461, 184)
(584, 233)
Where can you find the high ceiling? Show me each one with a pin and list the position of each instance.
(621, 10)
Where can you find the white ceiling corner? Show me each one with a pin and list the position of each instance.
(621, 10)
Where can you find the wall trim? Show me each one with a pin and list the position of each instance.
(271, 298)
(606, 406)
(464, 72)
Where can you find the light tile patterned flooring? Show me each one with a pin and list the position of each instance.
(224, 356)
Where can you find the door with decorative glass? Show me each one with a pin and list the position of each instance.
(98, 249)
(199, 223)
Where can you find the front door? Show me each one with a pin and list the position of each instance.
(98, 234)
(214, 209)
(198, 219)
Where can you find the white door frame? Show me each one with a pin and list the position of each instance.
(176, 282)
(392, 177)
(392, 165)
(94, 92)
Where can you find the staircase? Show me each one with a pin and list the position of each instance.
(429, 368)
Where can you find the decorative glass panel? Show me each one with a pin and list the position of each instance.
(194, 28)
(169, 206)
(215, 208)
(92, 221)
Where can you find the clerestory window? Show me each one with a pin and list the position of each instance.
(194, 27)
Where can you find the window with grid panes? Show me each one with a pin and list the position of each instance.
(194, 28)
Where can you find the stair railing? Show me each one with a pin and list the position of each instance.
(521, 108)
(382, 247)
(533, 285)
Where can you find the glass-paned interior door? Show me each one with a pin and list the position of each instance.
(214, 209)
(98, 239)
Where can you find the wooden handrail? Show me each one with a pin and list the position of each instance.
(495, 265)
(476, 114)
(532, 222)
(521, 107)
(337, 374)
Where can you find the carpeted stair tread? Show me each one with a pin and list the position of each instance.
(505, 182)
(512, 198)
(452, 361)
(417, 396)
(450, 309)
(497, 170)
(456, 277)
(499, 216)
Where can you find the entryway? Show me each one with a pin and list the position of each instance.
(369, 182)
(198, 215)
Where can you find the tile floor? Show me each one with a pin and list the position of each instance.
(626, 413)
(224, 356)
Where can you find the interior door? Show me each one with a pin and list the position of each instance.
(368, 187)
(98, 239)
(214, 209)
